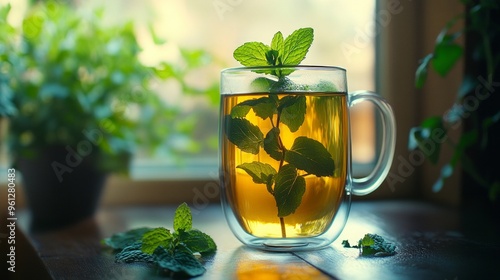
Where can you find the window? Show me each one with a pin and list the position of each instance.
(344, 36)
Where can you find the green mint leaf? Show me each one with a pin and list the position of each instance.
(252, 54)
(133, 253)
(293, 111)
(311, 156)
(272, 57)
(180, 262)
(155, 238)
(288, 190)
(183, 218)
(375, 245)
(172, 252)
(284, 84)
(272, 144)
(262, 84)
(261, 173)
(122, 240)
(240, 111)
(264, 107)
(197, 241)
(246, 136)
(297, 45)
(278, 45)
(288, 101)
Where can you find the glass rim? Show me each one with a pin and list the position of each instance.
(296, 67)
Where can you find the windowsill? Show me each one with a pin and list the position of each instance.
(192, 169)
(159, 182)
(432, 242)
(203, 168)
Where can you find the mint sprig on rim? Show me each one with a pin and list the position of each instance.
(282, 52)
(306, 156)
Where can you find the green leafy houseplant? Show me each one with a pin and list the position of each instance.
(476, 107)
(78, 98)
(72, 79)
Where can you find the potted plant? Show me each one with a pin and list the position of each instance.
(476, 108)
(84, 103)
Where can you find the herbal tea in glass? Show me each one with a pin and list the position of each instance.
(285, 157)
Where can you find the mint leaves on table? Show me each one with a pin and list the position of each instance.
(172, 251)
(282, 52)
(373, 245)
(306, 156)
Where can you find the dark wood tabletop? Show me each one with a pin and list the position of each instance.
(433, 242)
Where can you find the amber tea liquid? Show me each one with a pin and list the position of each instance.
(326, 121)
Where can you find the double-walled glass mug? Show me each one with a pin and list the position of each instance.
(285, 154)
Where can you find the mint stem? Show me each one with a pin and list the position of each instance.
(282, 147)
(283, 230)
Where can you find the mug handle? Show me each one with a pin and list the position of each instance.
(366, 185)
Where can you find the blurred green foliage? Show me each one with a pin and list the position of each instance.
(480, 23)
(6, 48)
(65, 75)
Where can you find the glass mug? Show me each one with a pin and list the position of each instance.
(285, 154)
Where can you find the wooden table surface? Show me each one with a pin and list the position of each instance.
(432, 243)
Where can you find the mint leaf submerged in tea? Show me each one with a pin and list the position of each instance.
(261, 173)
(172, 251)
(293, 111)
(288, 190)
(244, 134)
(311, 156)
